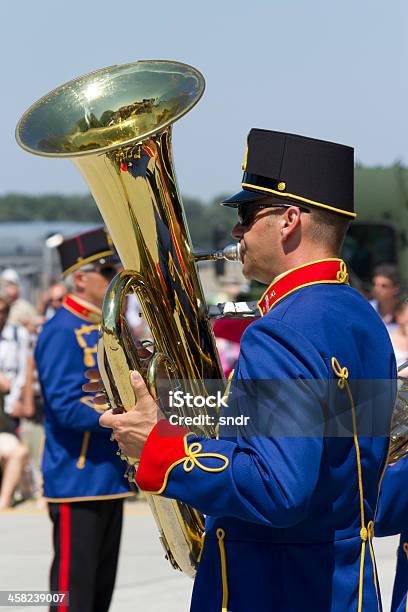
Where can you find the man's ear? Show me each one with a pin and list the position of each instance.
(290, 222)
(79, 279)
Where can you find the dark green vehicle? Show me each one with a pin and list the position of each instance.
(380, 232)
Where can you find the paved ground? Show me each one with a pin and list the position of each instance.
(145, 581)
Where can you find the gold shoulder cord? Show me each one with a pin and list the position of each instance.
(366, 532)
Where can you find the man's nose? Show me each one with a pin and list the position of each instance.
(238, 231)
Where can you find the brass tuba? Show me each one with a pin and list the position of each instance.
(116, 125)
(399, 424)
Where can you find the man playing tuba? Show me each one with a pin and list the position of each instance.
(290, 501)
(290, 496)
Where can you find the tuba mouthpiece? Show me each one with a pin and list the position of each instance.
(230, 253)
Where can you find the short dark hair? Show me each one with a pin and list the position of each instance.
(328, 228)
(389, 271)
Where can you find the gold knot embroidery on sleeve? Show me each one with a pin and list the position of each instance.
(193, 454)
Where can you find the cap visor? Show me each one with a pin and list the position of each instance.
(245, 195)
(109, 259)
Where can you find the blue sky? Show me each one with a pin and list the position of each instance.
(332, 70)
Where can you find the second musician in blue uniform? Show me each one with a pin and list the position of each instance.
(83, 477)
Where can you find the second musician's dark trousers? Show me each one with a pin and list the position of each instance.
(86, 537)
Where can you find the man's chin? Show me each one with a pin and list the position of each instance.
(251, 274)
(246, 271)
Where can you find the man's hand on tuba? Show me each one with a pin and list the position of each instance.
(130, 429)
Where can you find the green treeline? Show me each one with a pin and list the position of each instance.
(381, 194)
(202, 218)
(19, 207)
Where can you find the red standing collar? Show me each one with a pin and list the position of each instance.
(85, 311)
(313, 273)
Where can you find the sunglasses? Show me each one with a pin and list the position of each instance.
(246, 212)
(107, 272)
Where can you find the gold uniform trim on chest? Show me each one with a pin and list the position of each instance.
(89, 351)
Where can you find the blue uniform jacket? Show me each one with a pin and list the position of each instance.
(291, 498)
(79, 460)
(392, 518)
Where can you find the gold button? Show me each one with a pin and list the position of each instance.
(281, 186)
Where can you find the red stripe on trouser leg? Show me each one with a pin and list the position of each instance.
(65, 551)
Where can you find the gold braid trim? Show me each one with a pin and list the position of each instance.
(366, 532)
(84, 449)
(224, 577)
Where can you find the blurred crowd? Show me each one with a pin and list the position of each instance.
(21, 411)
(392, 306)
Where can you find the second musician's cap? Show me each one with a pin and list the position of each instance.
(94, 246)
(297, 169)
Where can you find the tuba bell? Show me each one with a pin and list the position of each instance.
(116, 125)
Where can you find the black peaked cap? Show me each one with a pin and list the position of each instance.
(297, 168)
(93, 246)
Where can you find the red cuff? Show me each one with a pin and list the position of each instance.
(163, 449)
